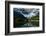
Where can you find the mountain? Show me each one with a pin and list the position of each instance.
(18, 14)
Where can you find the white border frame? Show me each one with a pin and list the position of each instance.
(28, 28)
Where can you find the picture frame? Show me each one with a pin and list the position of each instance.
(9, 23)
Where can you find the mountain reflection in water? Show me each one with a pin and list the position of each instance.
(30, 24)
(33, 23)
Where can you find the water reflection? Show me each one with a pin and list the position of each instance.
(27, 25)
(31, 24)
